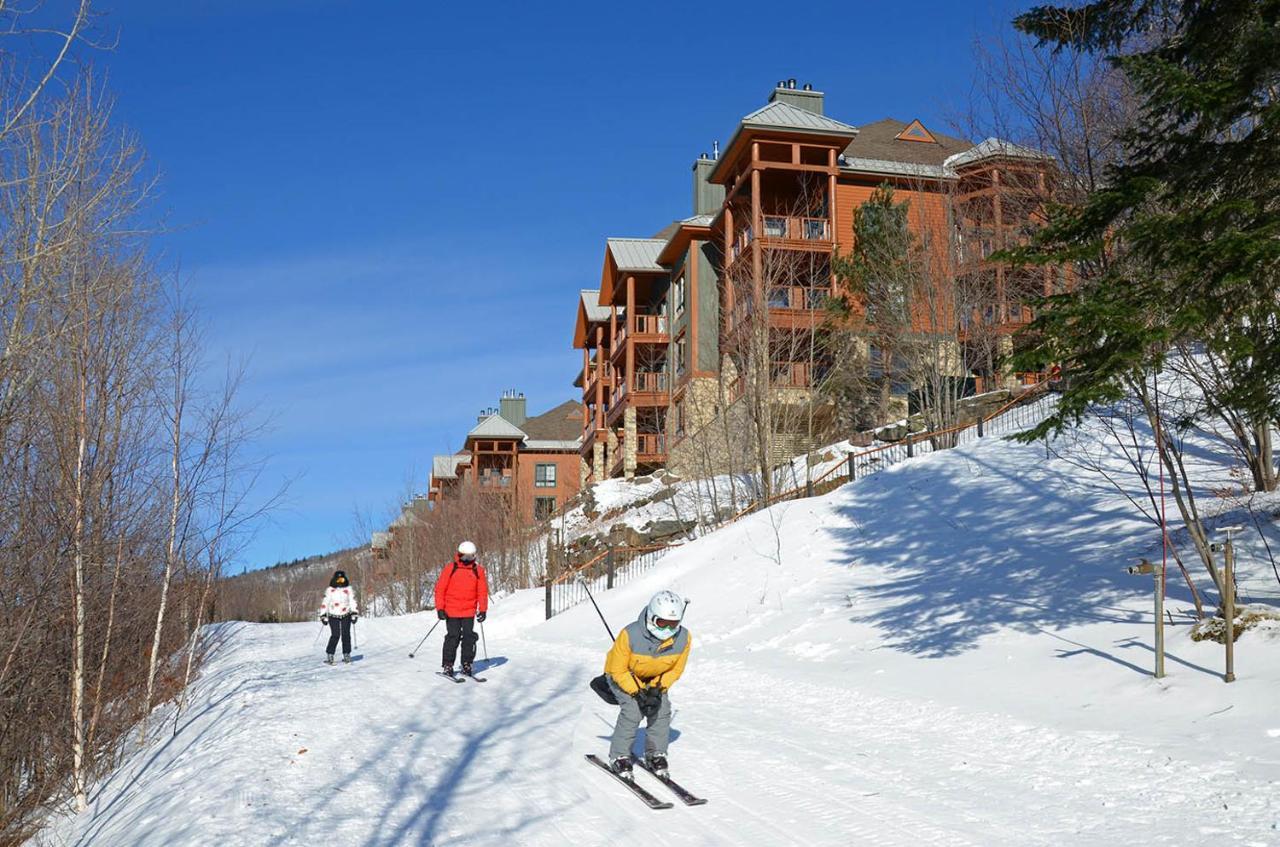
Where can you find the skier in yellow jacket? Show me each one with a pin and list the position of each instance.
(646, 659)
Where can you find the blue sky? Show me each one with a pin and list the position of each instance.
(389, 207)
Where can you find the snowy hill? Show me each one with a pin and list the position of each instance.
(944, 653)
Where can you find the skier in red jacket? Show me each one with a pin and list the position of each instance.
(462, 598)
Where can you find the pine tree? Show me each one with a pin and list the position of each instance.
(1182, 242)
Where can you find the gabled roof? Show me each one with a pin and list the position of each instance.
(780, 115)
(589, 312)
(994, 148)
(593, 311)
(496, 426)
(637, 255)
(916, 131)
(446, 467)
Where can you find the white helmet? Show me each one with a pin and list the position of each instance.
(467, 551)
(667, 607)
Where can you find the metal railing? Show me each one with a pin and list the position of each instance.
(611, 568)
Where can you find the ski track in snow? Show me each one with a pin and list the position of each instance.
(870, 686)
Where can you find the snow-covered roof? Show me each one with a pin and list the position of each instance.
(552, 444)
(884, 166)
(993, 148)
(446, 467)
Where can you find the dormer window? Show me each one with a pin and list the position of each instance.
(915, 131)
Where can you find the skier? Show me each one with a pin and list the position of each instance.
(462, 598)
(646, 659)
(338, 612)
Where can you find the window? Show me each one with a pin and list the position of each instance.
(677, 296)
(544, 507)
(682, 355)
(544, 476)
(680, 419)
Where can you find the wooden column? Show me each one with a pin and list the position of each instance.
(997, 235)
(600, 353)
(631, 335)
(757, 221)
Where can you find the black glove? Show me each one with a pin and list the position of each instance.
(354, 618)
(441, 615)
(649, 700)
(324, 620)
(480, 616)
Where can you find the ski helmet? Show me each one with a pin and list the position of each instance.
(467, 551)
(339, 579)
(663, 615)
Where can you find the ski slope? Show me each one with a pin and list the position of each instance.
(944, 653)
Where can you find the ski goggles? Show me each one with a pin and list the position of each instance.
(663, 623)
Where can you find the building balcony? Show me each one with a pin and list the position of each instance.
(648, 388)
(785, 231)
(641, 329)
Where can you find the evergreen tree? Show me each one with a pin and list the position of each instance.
(1182, 242)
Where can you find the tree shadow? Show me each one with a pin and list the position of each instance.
(969, 549)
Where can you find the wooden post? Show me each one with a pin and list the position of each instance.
(1229, 604)
(548, 599)
(853, 468)
(980, 426)
(911, 447)
(608, 566)
(1159, 572)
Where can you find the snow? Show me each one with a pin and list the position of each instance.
(947, 652)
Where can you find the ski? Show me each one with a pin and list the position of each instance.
(475, 678)
(686, 796)
(451, 677)
(648, 799)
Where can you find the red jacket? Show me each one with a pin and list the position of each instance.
(461, 589)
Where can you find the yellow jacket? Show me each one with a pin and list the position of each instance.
(638, 658)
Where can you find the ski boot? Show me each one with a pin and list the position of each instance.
(656, 762)
(328, 658)
(346, 658)
(447, 670)
(621, 766)
(466, 669)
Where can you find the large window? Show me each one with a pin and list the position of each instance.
(544, 507)
(544, 476)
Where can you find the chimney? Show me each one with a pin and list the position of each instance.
(802, 98)
(513, 408)
(707, 196)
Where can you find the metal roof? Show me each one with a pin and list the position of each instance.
(551, 444)
(884, 166)
(993, 148)
(780, 115)
(496, 426)
(637, 254)
(591, 303)
(446, 467)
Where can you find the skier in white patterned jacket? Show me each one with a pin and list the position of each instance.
(338, 611)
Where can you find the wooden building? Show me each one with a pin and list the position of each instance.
(533, 464)
(665, 338)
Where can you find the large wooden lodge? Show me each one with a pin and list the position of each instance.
(659, 335)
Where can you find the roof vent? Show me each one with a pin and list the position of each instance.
(791, 83)
(715, 149)
(808, 86)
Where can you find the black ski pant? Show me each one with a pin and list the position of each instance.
(339, 627)
(460, 630)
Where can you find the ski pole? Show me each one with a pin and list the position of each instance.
(484, 643)
(355, 639)
(425, 637)
(593, 603)
(317, 638)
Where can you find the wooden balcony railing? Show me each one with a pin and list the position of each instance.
(651, 444)
(652, 382)
(799, 297)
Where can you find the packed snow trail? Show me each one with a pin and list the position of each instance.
(910, 660)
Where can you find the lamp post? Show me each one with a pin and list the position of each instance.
(1144, 568)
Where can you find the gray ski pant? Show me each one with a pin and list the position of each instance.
(656, 737)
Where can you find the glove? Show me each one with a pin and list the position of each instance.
(649, 700)
(441, 615)
(480, 616)
(324, 620)
(354, 618)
